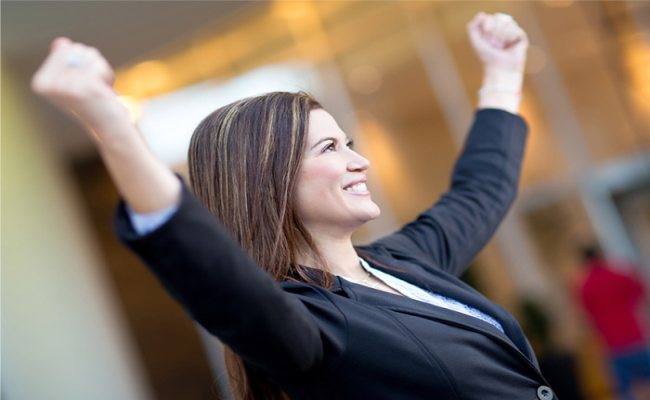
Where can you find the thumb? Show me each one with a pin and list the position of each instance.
(474, 29)
(521, 44)
(475, 23)
(59, 43)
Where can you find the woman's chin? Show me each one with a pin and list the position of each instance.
(373, 213)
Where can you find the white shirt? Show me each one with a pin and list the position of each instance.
(414, 292)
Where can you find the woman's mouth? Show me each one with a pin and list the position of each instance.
(358, 189)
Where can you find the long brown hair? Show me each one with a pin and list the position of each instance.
(243, 162)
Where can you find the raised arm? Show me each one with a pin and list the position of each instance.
(77, 79)
(485, 177)
(192, 254)
(204, 268)
(501, 46)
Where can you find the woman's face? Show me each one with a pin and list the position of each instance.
(331, 193)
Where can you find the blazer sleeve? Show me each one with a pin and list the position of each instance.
(204, 268)
(483, 186)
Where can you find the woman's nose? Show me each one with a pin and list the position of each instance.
(358, 162)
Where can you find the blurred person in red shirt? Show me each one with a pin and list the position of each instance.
(615, 298)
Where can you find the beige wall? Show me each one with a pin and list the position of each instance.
(62, 336)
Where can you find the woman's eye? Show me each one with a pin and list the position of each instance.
(330, 147)
(350, 144)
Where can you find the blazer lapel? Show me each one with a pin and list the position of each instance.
(379, 298)
(449, 286)
(401, 304)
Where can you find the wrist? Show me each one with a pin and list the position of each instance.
(498, 100)
(501, 89)
(115, 134)
(503, 77)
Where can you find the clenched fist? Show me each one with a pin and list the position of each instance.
(78, 79)
(498, 41)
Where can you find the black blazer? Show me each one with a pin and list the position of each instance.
(354, 342)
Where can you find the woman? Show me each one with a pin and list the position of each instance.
(389, 320)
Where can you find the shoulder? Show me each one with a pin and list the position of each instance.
(328, 311)
(323, 303)
(396, 247)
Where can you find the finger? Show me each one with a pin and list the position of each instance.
(45, 76)
(100, 66)
(501, 27)
(69, 81)
(522, 40)
(513, 36)
(521, 35)
(476, 22)
(474, 29)
(510, 35)
(59, 43)
(68, 60)
(493, 31)
(487, 26)
(82, 63)
(57, 71)
(95, 76)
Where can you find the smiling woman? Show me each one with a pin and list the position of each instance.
(331, 192)
(244, 169)
(260, 253)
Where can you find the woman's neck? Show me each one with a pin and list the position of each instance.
(339, 253)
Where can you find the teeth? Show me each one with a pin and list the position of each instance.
(356, 188)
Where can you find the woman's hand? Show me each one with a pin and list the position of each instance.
(501, 46)
(78, 80)
(498, 42)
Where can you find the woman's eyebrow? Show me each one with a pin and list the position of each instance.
(347, 139)
(324, 140)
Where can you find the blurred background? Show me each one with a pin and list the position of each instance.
(83, 319)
